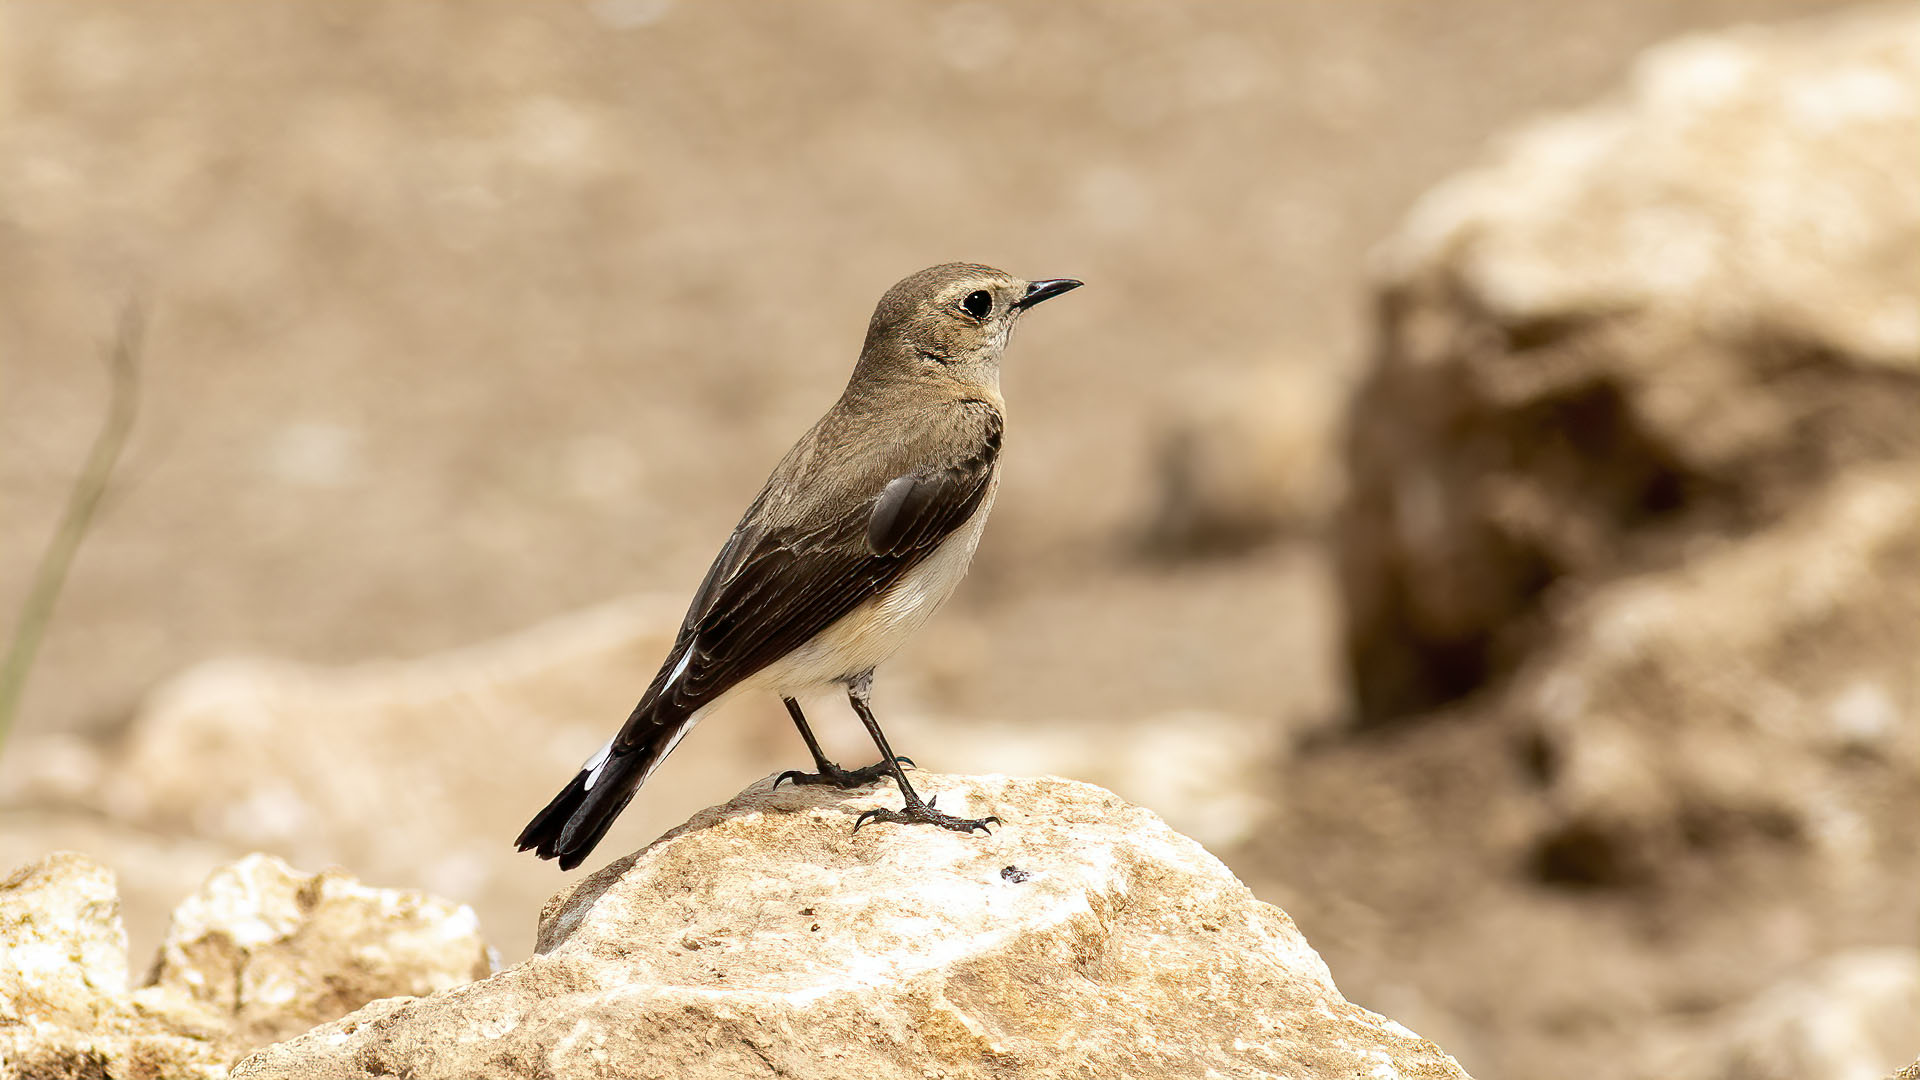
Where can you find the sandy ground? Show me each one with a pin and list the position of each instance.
(459, 320)
(462, 317)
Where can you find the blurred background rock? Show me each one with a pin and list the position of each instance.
(1519, 584)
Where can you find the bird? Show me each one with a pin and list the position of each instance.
(862, 531)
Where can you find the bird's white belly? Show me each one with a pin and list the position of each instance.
(871, 633)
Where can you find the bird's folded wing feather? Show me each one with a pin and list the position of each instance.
(773, 588)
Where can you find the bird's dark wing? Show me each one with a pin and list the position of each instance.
(772, 588)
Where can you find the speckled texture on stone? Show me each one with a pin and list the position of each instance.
(259, 952)
(64, 1005)
(274, 951)
(766, 938)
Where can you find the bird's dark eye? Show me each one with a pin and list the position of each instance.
(978, 303)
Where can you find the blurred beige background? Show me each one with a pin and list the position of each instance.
(464, 318)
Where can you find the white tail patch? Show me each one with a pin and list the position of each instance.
(596, 763)
(679, 669)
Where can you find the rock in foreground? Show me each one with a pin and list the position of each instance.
(272, 951)
(259, 952)
(766, 938)
(64, 1007)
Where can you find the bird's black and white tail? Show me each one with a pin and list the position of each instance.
(580, 815)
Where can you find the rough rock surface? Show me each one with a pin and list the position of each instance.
(60, 924)
(461, 747)
(1676, 314)
(64, 1009)
(260, 952)
(275, 952)
(767, 938)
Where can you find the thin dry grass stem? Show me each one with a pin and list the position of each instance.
(83, 499)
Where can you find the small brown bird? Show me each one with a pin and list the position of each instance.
(864, 529)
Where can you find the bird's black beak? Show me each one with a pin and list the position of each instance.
(1045, 290)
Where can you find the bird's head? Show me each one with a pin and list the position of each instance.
(951, 320)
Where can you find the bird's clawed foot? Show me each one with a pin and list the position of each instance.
(923, 813)
(842, 778)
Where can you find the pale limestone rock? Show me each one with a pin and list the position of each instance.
(766, 938)
(64, 1005)
(1673, 316)
(460, 748)
(62, 947)
(275, 952)
(260, 952)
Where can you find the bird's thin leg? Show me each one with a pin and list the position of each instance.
(828, 773)
(916, 811)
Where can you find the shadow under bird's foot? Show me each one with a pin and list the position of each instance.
(842, 778)
(923, 813)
